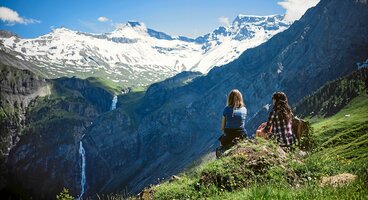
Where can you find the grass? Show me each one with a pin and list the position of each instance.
(346, 132)
(107, 84)
(231, 173)
(139, 89)
(342, 142)
(355, 190)
(353, 114)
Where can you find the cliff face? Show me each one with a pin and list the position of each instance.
(42, 123)
(18, 87)
(96, 96)
(158, 94)
(47, 158)
(112, 152)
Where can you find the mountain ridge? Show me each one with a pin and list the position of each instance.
(133, 51)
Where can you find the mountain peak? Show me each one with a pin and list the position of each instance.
(256, 18)
(7, 34)
(62, 29)
(134, 24)
(250, 16)
(130, 26)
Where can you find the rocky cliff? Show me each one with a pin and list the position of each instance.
(18, 88)
(89, 91)
(42, 123)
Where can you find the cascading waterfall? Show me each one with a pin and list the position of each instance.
(82, 153)
(114, 101)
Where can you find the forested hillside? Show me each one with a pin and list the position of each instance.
(333, 96)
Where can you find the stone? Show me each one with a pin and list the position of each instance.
(338, 180)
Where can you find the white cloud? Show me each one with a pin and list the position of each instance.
(295, 9)
(11, 17)
(224, 21)
(103, 19)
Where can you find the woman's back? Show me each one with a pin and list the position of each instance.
(235, 118)
(281, 128)
(280, 119)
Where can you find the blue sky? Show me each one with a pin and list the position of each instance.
(176, 17)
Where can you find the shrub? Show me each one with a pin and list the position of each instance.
(64, 195)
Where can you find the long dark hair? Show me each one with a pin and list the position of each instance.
(282, 105)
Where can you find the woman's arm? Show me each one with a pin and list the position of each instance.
(223, 123)
(271, 117)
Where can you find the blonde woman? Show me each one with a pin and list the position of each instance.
(233, 119)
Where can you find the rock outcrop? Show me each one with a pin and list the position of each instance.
(338, 180)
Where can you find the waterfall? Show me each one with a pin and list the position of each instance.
(82, 153)
(114, 101)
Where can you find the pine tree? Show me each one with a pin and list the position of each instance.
(64, 195)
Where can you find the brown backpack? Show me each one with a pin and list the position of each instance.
(300, 128)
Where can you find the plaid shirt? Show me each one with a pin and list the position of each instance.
(281, 130)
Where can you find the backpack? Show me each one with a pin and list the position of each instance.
(300, 128)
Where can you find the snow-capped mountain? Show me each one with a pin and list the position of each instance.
(225, 44)
(135, 54)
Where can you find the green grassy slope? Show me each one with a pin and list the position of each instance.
(345, 134)
(342, 142)
(106, 84)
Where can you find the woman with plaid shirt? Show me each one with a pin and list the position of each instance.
(280, 120)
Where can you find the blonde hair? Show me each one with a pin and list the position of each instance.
(235, 99)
